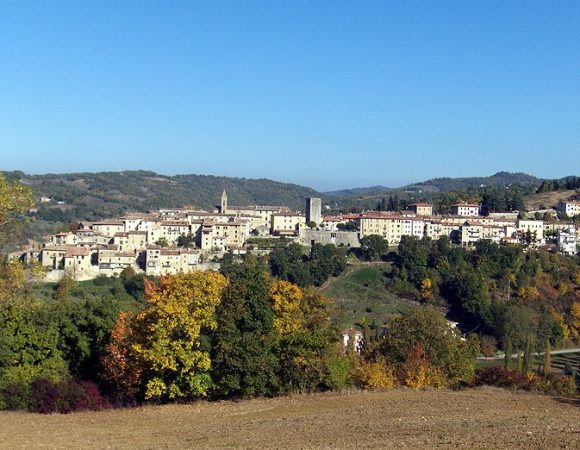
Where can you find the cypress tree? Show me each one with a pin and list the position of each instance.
(508, 353)
(547, 359)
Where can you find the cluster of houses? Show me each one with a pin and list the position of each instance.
(184, 240)
(463, 226)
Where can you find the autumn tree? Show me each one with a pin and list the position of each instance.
(15, 200)
(160, 348)
(306, 345)
(442, 344)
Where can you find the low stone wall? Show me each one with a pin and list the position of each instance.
(338, 238)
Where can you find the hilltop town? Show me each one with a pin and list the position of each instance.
(171, 241)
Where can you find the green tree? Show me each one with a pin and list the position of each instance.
(243, 361)
(412, 259)
(373, 247)
(547, 360)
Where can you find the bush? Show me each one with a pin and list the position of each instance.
(417, 372)
(505, 378)
(558, 384)
(80, 396)
(373, 374)
(15, 396)
(337, 372)
(44, 395)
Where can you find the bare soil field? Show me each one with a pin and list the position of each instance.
(474, 418)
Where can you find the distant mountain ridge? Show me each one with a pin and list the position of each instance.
(446, 184)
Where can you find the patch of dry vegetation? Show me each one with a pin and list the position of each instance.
(480, 418)
(547, 199)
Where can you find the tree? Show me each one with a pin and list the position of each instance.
(186, 240)
(15, 200)
(412, 259)
(162, 242)
(442, 344)
(160, 348)
(243, 362)
(30, 343)
(547, 360)
(373, 247)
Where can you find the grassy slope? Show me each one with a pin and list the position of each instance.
(546, 199)
(360, 292)
(474, 418)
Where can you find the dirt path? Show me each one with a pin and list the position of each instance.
(479, 418)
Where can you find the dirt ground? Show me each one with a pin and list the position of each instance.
(477, 418)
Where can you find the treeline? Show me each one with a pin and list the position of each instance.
(233, 334)
(513, 298)
(566, 183)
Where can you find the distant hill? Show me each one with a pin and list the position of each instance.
(444, 184)
(358, 191)
(93, 196)
(453, 184)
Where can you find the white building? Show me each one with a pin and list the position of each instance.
(569, 207)
(567, 243)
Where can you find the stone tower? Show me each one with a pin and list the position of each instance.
(313, 210)
(224, 203)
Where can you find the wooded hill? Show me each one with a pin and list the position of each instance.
(446, 184)
(93, 196)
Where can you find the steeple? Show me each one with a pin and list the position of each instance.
(224, 202)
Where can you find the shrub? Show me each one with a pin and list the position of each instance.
(338, 369)
(373, 374)
(44, 395)
(505, 378)
(558, 384)
(418, 372)
(80, 396)
(15, 396)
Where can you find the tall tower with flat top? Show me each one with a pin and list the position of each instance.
(313, 210)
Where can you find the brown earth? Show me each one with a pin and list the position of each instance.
(475, 418)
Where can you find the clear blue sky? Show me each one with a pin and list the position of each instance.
(328, 94)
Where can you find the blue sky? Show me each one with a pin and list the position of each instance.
(328, 94)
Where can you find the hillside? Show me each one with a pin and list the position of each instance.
(473, 418)
(444, 184)
(91, 196)
(544, 200)
(453, 184)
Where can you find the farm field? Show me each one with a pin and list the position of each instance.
(475, 418)
(360, 292)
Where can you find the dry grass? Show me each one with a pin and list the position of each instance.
(546, 199)
(477, 418)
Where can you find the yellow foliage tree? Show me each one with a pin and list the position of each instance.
(426, 289)
(286, 304)
(167, 334)
(15, 199)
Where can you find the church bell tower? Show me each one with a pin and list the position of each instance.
(224, 203)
